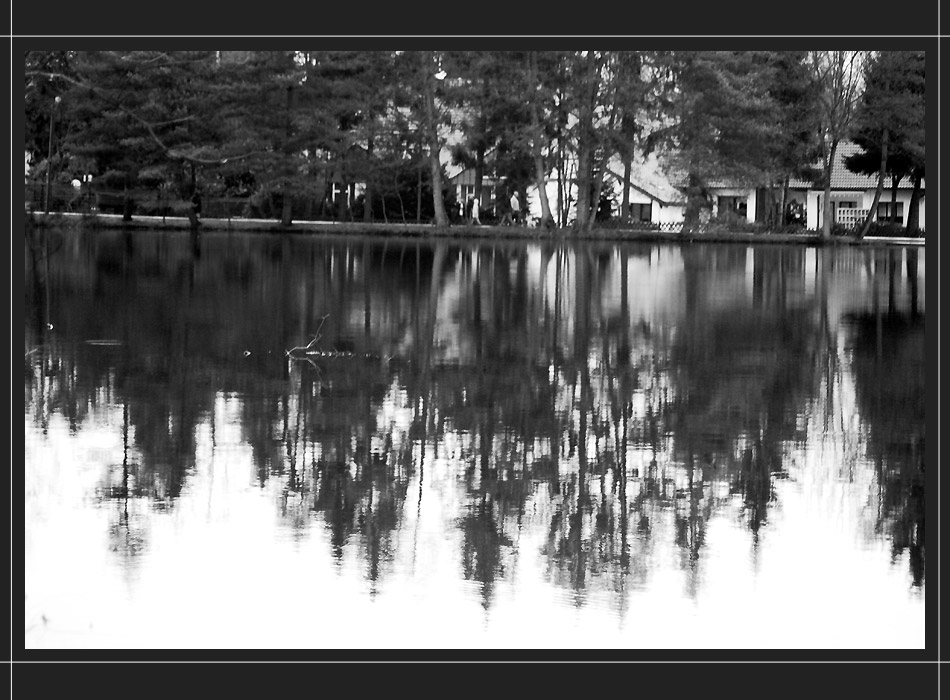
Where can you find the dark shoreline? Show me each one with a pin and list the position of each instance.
(497, 233)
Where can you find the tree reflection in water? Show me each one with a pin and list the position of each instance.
(616, 399)
(887, 348)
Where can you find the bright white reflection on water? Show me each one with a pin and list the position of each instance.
(643, 446)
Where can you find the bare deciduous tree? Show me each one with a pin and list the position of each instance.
(839, 78)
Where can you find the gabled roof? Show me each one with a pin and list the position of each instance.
(648, 178)
(643, 191)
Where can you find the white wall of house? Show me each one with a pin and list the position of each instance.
(812, 210)
(534, 200)
(659, 213)
(741, 192)
(668, 213)
(634, 197)
(863, 200)
(903, 200)
(840, 198)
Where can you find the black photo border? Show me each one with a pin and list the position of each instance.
(808, 24)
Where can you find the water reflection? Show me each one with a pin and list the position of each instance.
(888, 365)
(596, 409)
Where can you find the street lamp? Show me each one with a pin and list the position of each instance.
(49, 152)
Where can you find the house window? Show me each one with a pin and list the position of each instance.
(641, 212)
(738, 206)
(884, 212)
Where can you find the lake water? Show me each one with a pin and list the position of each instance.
(475, 444)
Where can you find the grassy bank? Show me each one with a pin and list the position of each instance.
(614, 233)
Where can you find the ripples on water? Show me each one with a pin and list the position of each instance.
(527, 445)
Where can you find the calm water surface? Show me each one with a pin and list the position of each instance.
(474, 445)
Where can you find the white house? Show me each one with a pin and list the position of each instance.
(462, 181)
(651, 197)
(853, 194)
(647, 205)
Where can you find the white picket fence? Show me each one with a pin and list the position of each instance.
(849, 217)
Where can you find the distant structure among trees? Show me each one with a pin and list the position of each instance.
(377, 135)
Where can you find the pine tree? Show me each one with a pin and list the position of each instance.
(720, 123)
(889, 123)
(795, 145)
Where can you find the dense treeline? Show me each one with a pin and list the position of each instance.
(282, 128)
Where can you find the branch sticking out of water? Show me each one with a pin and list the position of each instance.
(316, 338)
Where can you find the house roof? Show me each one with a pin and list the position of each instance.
(844, 179)
(647, 178)
(642, 190)
(841, 177)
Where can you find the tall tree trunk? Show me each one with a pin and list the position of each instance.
(287, 200)
(765, 205)
(480, 149)
(536, 137)
(695, 202)
(341, 206)
(479, 174)
(286, 210)
(784, 202)
(880, 187)
(441, 218)
(560, 184)
(605, 156)
(913, 208)
(826, 212)
(582, 212)
(419, 194)
(368, 194)
(191, 213)
(547, 221)
(127, 197)
(585, 148)
(895, 181)
(595, 195)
